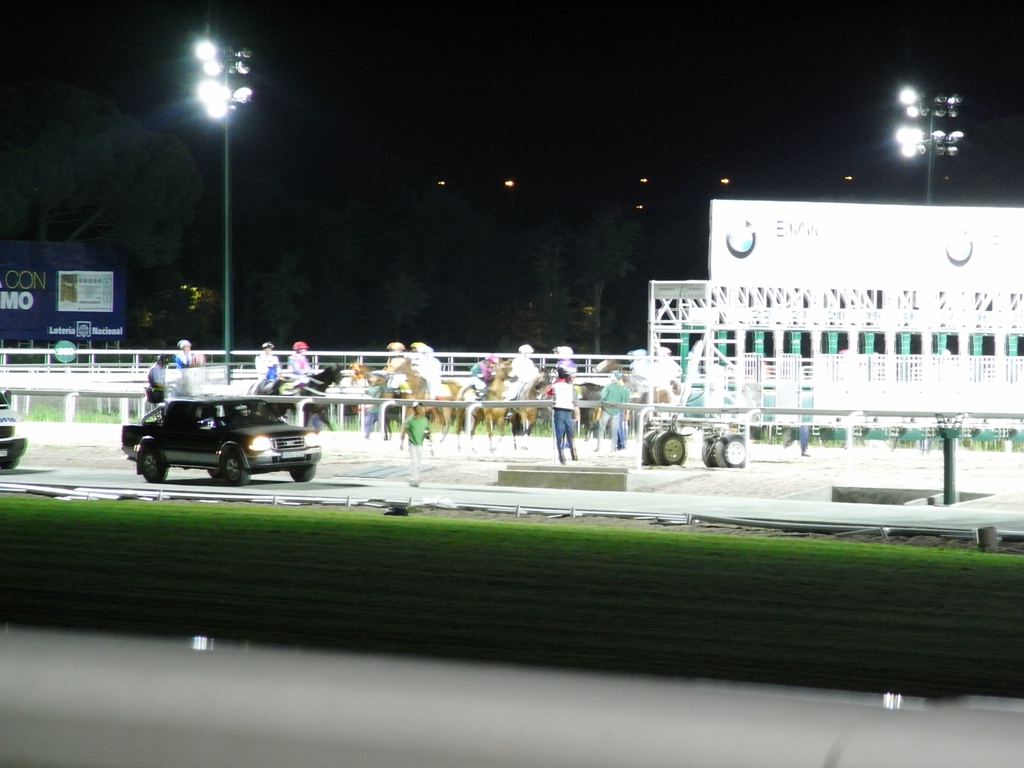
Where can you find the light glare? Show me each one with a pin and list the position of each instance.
(206, 51)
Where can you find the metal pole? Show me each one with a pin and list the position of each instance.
(930, 144)
(227, 241)
(950, 435)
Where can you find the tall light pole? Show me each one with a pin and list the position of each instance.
(216, 92)
(914, 142)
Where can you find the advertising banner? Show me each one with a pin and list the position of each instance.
(830, 245)
(53, 291)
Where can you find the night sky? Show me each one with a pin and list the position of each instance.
(576, 104)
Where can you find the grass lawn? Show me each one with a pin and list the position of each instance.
(918, 621)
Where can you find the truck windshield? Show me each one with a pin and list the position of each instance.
(250, 413)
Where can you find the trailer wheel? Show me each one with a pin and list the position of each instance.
(647, 454)
(671, 448)
(708, 451)
(731, 451)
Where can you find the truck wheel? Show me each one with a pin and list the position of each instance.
(12, 464)
(672, 448)
(233, 470)
(303, 474)
(731, 451)
(151, 466)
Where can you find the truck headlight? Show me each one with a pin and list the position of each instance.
(312, 440)
(260, 444)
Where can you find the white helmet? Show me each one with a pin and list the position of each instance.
(526, 349)
(184, 343)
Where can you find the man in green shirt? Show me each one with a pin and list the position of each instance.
(415, 428)
(613, 392)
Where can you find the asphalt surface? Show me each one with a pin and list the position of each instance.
(394, 489)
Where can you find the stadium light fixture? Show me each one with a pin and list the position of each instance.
(219, 94)
(915, 142)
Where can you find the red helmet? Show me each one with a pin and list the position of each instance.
(300, 345)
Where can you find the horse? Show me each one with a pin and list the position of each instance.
(414, 387)
(494, 417)
(643, 392)
(590, 416)
(315, 415)
(523, 418)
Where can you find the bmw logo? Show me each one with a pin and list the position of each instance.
(959, 249)
(740, 240)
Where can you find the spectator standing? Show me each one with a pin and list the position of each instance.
(416, 428)
(157, 377)
(563, 408)
(371, 411)
(611, 416)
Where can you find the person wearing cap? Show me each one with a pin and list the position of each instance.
(481, 373)
(666, 372)
(428, 367)
(522, 372)
(267, 367)
(563, 412)
(565, 361)
(614, 392)
(417, 429)
(156, 378)
(299, 367)
(184, 357)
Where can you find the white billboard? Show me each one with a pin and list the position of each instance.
(765, 243)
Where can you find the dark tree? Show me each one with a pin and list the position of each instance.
(74, 168)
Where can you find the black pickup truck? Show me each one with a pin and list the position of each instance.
(12, 447)
(231, 438)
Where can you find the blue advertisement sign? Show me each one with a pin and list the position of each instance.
(51, 291)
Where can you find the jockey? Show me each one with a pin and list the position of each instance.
(267, 363)
(299, 367)
(565, 361)
(428, 367)
(642, 367)
(523, 371)
(184, 358)
(666, 371)
(481, 373)
(395, 380)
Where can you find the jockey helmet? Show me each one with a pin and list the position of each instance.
(526, 349)
(492, 358)
(664, 351)
(396, 346)
(419, 346)
(184, 343)
(562, 373)
(563, 351)
(268, 345)
(300, 345)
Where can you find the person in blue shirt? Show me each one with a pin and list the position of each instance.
(184, 358)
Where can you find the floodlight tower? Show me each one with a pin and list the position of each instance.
(914, 142)
(222, 68)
